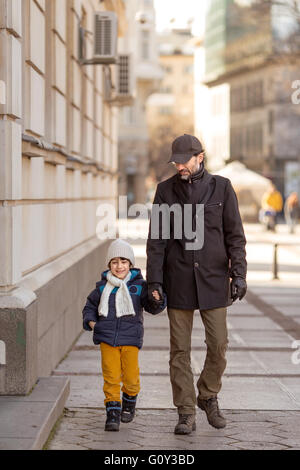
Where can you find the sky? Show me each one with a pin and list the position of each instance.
(180, 10)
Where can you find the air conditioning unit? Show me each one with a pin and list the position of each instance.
(122, 93)
(105, 37)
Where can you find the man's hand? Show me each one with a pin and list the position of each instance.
(92, 324)
(153, 289)
(238, 288)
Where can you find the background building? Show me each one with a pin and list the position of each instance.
(253, 48)
(211, 113)
(170, 111)
(59, 161)
(140, 42)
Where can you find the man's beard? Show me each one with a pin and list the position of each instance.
(187, 176)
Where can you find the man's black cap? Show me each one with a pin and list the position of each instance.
(184, 147)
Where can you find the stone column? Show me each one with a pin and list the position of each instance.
(10, 141)
(18, 325)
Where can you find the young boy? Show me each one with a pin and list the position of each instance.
(114, 311)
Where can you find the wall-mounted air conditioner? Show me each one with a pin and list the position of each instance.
(122, 92)
(105, 37)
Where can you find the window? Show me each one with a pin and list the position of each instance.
(254, 139)
(236, 143)
(188, 69)
(259, 100)
(165, 110)
(166, 89)
(145, 49)
(271, 121)
(128, 115)
(167, 68)
(2, 353)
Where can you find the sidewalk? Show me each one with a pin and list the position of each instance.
(261, 388)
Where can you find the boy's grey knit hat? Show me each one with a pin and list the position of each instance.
(120, 249)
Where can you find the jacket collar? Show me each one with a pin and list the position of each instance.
(205, 187)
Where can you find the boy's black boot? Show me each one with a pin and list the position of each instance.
(128, 408)
(113, 415)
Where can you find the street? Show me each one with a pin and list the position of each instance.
(261, 389)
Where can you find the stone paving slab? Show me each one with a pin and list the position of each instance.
(280, 290)
(238, 362)
(243, 309)
(277, 362)
(292, 385)
(265, 339)
(290, 311)
(26, 422)
(283, 300)
(153, 430)
(248, 323)
(252, 393)
(159, 338)
(157, 362)
(86, 392)
(257, 393)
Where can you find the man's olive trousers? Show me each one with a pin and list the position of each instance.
(181, 375)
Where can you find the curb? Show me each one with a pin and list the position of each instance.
(26, 422)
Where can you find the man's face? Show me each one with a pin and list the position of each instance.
(187, 169)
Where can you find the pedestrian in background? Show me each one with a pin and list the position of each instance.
(291, 211)
(271, 204)
(114, 311)
(198, 278)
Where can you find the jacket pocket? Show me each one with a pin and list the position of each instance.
(213, 214)
(220, 204)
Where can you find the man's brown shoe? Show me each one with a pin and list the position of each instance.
(214, 415)
(186, 424)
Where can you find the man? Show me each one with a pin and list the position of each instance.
(291, 211)
(197, 278)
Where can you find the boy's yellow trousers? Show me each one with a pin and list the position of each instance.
(119, 364)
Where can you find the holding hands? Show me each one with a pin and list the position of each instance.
(155, 293)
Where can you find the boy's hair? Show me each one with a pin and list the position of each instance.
(130, 263)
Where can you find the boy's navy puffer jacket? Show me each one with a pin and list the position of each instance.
(126, 330)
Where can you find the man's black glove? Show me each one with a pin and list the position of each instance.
(152, 287)
(238, 288)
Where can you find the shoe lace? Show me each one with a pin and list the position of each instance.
(213, 405)
(186, 419)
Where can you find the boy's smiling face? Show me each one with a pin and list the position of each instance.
(119, 267)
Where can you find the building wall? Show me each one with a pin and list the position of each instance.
(59, 159)
(253, 50)
(264, 121)
(212, 114)
(179, 81)
(170, 111)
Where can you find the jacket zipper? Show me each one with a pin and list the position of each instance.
(117, 331)
(214, 204)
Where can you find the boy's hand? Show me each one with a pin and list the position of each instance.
(156, 295)
(92, 324)
(154, 287)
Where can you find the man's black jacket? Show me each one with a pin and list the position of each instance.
(200, 278)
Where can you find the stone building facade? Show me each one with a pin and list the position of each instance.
(58, 162)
